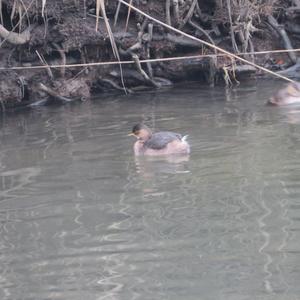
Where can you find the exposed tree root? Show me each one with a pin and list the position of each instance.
(13, 37)
(147, 79)
(52, 93)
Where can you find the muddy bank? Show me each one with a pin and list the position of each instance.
(64, 32)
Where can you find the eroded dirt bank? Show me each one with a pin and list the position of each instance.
(63, 32)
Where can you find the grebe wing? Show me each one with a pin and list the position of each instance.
(159, 140)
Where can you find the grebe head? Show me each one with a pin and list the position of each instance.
(141, 132)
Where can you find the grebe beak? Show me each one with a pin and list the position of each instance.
(131, 134)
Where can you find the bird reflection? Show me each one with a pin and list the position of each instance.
(149, 166)
(293, 116)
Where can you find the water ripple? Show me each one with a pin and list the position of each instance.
(81, 218)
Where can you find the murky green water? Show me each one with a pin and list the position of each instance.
(81, 218)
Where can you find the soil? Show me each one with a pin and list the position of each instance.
(64, 33)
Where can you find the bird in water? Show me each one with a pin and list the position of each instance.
(158, 143)
(289, 95)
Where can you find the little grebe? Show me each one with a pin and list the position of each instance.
(158, 143)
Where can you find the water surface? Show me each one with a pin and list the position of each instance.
(82, 218)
